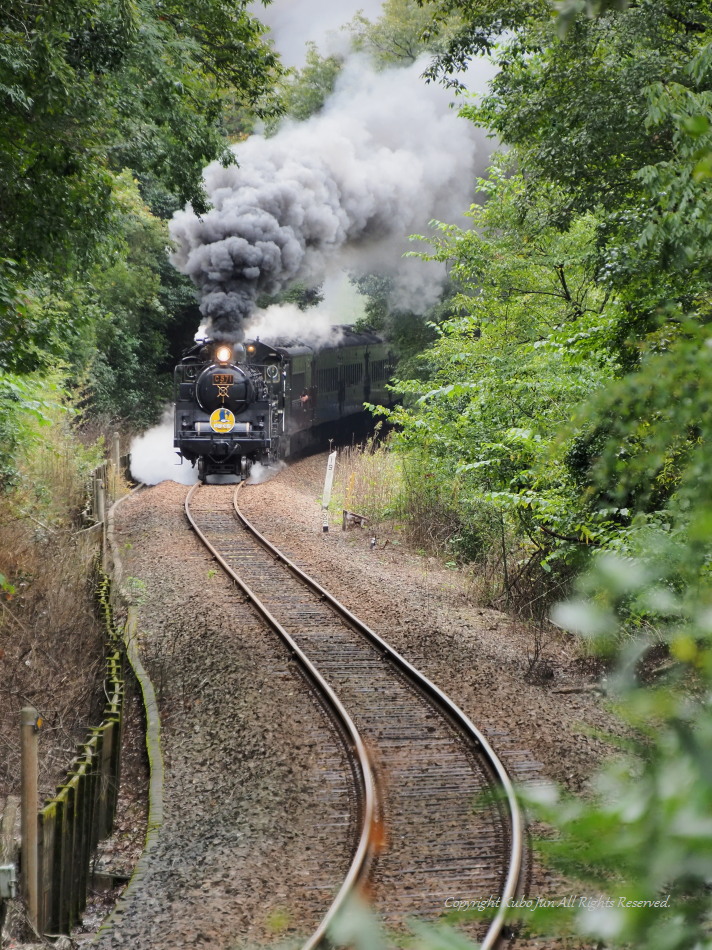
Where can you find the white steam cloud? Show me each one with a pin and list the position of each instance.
(259, 473)
(343, 189)
(294, 23)
(286, 323)
(153, 458)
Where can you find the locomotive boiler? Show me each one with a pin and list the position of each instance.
(262, 401)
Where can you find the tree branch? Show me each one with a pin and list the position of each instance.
(562, 278)
(690, 27)
(568, 537)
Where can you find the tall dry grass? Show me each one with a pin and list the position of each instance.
(368, 480)
(384, 485)
(51, 644)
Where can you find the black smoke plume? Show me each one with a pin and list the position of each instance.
(344, 189)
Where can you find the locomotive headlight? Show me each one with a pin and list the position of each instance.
(223, 354)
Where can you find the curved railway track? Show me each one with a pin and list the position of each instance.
(418, 763)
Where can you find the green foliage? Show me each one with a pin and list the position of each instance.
(94, 86)
(590, 264)
(29, 404)
(38, 322)
(113, 326)
(572, 394)
(645, 834)
(52, 188)
(138, 299)
(656, 428)
(479, 26)
(601, 71)
(304, 92)
(400, 35)
(88, 88)
(175, 82)
(531, 339)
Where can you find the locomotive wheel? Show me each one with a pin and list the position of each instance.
(202, 470)
(244, 467)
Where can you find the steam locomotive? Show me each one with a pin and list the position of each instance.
(258, 401)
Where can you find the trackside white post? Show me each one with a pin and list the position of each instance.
(328, 482)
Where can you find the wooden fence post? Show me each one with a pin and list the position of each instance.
(100, 500)
(60, 917)
(69, 918)
(101, 480)
(46, 868)
(116, 452)
(115, 467)
(84, 816)
(30, 723)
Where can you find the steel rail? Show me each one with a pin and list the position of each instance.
(447, 706)
(366, 846)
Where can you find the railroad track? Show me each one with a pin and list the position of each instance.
(419, 764)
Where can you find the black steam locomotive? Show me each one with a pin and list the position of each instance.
(239, 403)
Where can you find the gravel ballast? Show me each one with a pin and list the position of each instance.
(248, 812)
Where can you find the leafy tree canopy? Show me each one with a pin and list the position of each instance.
(400, 35)
(89, 87)
(304, 91)
(481, 24)
(578, 110)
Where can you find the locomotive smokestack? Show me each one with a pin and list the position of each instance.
(345, 189)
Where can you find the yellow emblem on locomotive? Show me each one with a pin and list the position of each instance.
(222, 420)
